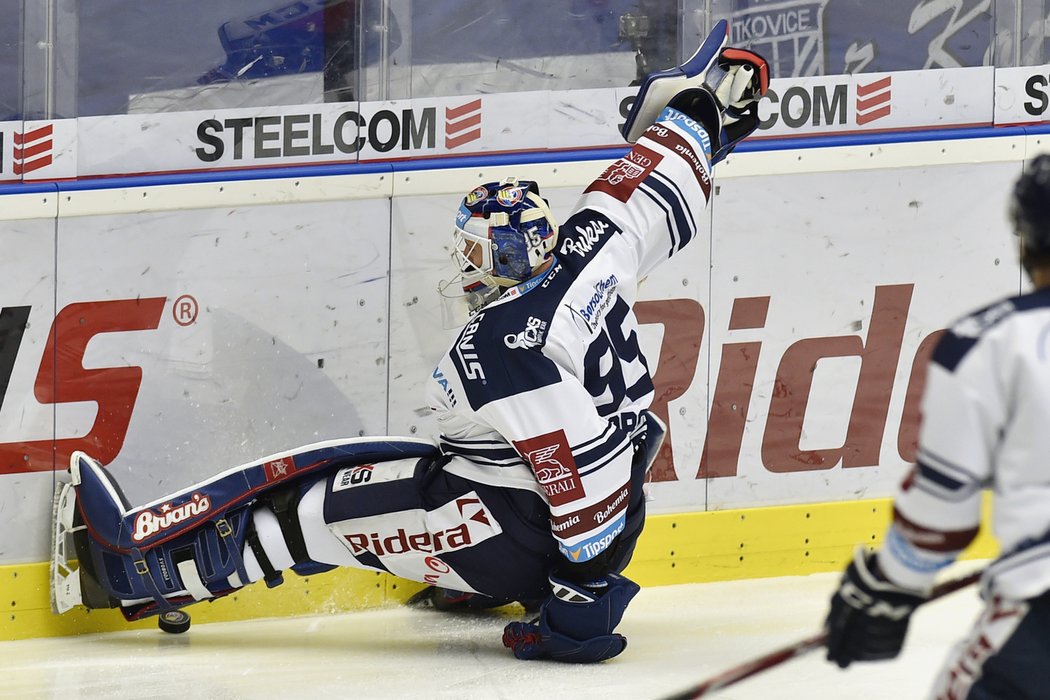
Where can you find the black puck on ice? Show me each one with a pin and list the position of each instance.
(174, 621)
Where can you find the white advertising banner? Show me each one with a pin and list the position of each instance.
(787, 353)
(871, 102)
(828, 293)
(193, 341)
(27, 307)
(7, 140)
(311, 134)
(38, 150)
(1022, 95)
(221, 139)
(787, 346)
(351, 132)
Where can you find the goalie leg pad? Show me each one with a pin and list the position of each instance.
(195, 563)
(202, 542)
(181, 550)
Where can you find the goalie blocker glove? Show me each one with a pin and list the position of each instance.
(576, 623)
(869, 615)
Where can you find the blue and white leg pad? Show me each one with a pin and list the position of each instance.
(188, 546)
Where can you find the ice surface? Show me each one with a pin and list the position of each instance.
(679, 636)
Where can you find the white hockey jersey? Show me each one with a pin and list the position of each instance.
(986, 424)
(543, 388)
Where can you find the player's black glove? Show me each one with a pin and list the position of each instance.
(869, 615)
(576, 623)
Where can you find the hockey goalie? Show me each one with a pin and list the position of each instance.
(534, 489)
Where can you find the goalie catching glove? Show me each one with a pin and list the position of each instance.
(576, 623)
(745, 83)
(735, 79)
(869, 614)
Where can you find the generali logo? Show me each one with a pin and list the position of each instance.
(462, 124)
(32, 149)
(873, 101)
(552, 462)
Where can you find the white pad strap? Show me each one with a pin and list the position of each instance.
(191, 580)
(272, 540)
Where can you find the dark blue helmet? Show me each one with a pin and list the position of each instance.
(1030, 206)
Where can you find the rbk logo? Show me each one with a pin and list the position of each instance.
(873, 101)
(462, 124)
(62, 378)
(32, 149)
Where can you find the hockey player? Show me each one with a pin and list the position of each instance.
(986, 410)
(535, 491)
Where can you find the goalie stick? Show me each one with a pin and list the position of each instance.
(791, 651)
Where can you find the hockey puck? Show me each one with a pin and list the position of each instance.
(174, 621)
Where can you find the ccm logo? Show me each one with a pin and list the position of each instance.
(62, 378)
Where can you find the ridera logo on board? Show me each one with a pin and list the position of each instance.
(779, 427)
(350, 132)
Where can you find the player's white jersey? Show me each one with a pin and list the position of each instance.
(543, 388)
(986, 424)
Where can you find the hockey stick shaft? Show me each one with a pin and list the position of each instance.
(803, 646)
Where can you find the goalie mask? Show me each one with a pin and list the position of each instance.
(504, 235)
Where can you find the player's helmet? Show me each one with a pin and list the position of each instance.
(1030, 206)
(504, 233)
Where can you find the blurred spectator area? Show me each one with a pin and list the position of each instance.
(230, 53)
(65, 58)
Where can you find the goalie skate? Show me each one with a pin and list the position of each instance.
(72, 585)
(65, 578)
